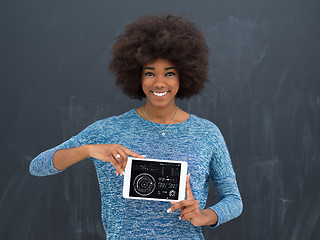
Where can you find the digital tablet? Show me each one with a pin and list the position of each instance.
(153, 179)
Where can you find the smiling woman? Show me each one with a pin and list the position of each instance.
(159, 59)
(160, 84)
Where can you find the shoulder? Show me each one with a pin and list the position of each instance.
(112, 122)
(205, 129)
(203, 124)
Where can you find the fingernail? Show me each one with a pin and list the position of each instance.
(144, 155)
(169, 210)
(179, 218)
(122, 173)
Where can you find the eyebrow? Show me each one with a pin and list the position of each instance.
(167, 68)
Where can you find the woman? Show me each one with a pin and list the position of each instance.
(159, 59)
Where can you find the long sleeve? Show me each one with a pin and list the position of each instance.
(42, 164)
(230, 205)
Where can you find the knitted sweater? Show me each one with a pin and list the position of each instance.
(196, 141)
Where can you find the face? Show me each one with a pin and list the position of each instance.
(160, 82)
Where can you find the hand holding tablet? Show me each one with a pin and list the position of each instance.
(152, 179)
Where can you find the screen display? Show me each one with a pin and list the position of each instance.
(151, 179)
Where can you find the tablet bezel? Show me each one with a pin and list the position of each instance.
(182, 181)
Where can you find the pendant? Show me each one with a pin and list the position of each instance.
(163, 134)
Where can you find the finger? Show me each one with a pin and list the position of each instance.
(175, 205)
(180, 205)
(115, 163)
(131, 153)
(117, 157)
(188, 216)
(123, 158)
(189, 209)
(188, 188)
(120, 157)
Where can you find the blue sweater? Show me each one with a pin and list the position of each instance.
(196, 141)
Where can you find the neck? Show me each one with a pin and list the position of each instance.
(163, 115)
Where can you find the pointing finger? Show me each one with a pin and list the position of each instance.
(188, 188)
(131, 153)
(179, 205)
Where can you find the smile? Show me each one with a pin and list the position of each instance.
(160, 94)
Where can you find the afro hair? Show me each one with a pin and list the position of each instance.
(169, 37)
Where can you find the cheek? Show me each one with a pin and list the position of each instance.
(144, 85)
(177, 85)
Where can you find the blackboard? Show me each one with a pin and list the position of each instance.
(264, 95)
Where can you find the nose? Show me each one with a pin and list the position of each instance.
(159, 81)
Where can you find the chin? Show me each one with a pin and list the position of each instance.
(161, 104)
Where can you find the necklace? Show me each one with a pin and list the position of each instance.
(163, 131)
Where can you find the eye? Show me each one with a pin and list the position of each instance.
(169, 74)
(149, 74)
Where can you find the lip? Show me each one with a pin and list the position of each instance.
(160, 94)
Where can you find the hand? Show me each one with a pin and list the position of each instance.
(189, 208)
(109, 152)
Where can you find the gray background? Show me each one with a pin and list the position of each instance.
(264, 95)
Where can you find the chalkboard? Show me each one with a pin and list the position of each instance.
(264, 95)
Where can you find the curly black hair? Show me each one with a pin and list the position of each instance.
(150, 37)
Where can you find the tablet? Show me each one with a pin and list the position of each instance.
(153, 179)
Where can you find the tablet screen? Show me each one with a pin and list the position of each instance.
(153, 179)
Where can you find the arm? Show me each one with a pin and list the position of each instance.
(230, 205)
(222, 173)
(64, 158)
(57, 159)
(42, 165)
(81, 147)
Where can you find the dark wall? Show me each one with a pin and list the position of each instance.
(264, 95)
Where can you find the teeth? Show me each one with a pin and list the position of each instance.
(160, 94)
